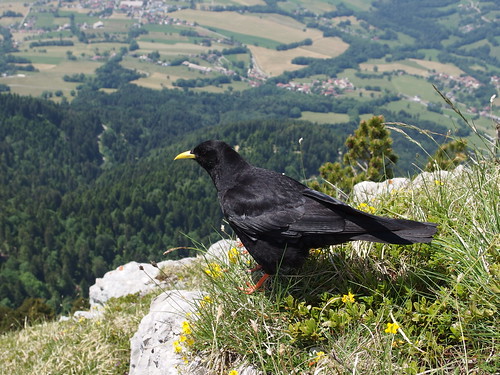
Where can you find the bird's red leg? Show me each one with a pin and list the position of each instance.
(256, 268)
(252, 288)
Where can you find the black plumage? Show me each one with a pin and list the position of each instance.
(278, 219)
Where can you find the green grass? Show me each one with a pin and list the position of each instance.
(325, 118)
(246, 39)
(372, 308)
(316, 6)
(44, 19)
(163, 40)
(412, 86)
(83, 346)
(165, 29)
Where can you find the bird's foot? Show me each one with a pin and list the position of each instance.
(256, 268)
(252, 288)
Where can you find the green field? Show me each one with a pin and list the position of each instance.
(245, 38)
(325, 118)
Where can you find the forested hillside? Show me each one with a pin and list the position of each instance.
(90, 185)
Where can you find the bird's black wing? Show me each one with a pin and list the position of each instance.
(322, 214)
(267, 203)
(263, 202)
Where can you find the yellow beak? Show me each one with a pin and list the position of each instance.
(185, 155)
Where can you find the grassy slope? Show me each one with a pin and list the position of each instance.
(444, 297)
(76, 346)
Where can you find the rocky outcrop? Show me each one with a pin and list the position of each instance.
(152, 346)
(368, 190)
(130, 278)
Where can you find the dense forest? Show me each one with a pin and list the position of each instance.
(88, 185)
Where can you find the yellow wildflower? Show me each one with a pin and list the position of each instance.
(438, 183)
(213, 270)
(318, 356)
(315, 252)
(366, 208)
(206, 301)
(186, 328)
(349, 297)
(233, 372)
(392, 328)
(177, 347)
(189, 341)
(233, 255)
(397, 343)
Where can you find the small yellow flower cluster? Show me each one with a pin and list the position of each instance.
(233, 372)
(317, 357)
(233, 255)
(397, 343)
(177, 347)
(186, 328)
(213, 270)
(188, 340)
(349, 297)
(185, 339)
(315, 252)
(207, 300)
(438, 183)
(366, 208)
(392, 328)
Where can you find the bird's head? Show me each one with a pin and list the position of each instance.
(216, 157)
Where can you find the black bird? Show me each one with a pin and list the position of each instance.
(278, 219)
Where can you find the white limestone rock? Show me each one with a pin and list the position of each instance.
(95, 312)
(152, 346)
(367, 190)
(129, 279)
(426, 179)
(219, 251)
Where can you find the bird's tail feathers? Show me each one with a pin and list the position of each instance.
(395, 231)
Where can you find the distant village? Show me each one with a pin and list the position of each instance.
(152, 12)
(327, 87)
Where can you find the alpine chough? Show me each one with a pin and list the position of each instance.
(279, 220)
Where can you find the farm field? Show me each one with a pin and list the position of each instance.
(412, 66)
(21, 7)
(269, 43)
(274, 62)
(278, 28)
(158, 76)
(37, 84)
(325, 118)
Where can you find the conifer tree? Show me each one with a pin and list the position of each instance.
(448, 156)
(369, 157)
